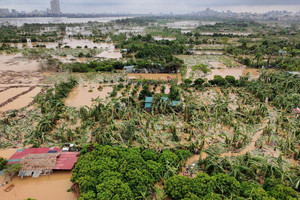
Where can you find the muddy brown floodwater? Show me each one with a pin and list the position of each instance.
(16, 62)
(83, 94)
(236, 72)
(49, 187)
(7, 153)
(22, 101)
(110, 54)
(5, 95)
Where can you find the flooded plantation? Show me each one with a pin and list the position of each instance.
(16, 62)
(66, 88)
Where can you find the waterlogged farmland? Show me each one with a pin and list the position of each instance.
(159, 108)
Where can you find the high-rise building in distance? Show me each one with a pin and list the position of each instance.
(55, 7)
(4, 11)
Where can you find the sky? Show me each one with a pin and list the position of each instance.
(154, 6)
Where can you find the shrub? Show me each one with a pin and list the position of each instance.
(188, 82)
(162, 89)
(282, 192)
(191, 196)
(145, 92)
(114, 189)
(198, 82)
(253, 191)
(225, 185)
(200, 184)
(155, 169)
(149, 154)
(178, 186)
(2, 163)
(174, 93)
(168, 158)
(218, 80)
(211, 196)
(201, 67)
(231, 80)
(183, 154)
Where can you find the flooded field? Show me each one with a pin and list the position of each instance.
(84, 94)
(218, 64)
(6, 95)
(134, 30)
(10, 78)
(73, 43)
(78, 30)
(6, 153)
(183, 24)
(110, 55)
(69, 42)
(163, 38)
(16, 62)
(208, 52)
(18, 81)
(226, 33)
(50, 187)
(155, 76)
(236, 72)
(22, 101)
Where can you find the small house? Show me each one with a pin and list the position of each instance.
(43, 161)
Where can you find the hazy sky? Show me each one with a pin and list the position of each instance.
(154, 6)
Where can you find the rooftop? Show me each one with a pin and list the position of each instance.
(36, 161)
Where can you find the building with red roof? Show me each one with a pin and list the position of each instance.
(42, 161)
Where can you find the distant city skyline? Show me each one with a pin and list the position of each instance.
(153, 6)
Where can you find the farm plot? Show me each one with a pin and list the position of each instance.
(17, 97)
(217, 65)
